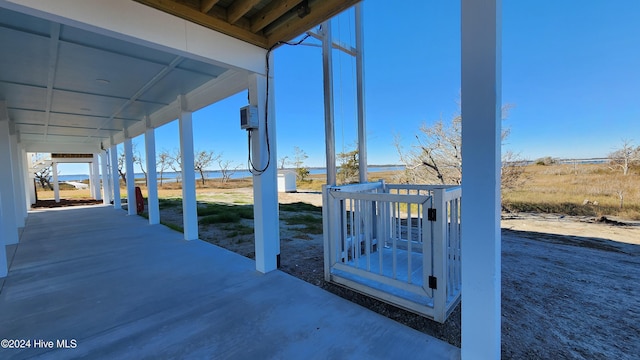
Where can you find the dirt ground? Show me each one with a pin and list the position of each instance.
(570, 286)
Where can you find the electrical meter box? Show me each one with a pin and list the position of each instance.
(249, 117)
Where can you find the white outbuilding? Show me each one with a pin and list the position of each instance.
(286, 181)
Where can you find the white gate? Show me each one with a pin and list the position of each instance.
(398, 243)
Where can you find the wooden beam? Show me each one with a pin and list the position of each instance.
(238, 8)
(290, 25)
(195, 16)
(271, 13)
(207, 5)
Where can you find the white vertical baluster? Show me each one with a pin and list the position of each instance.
(409, 238)
(366, 214)
(395, 230)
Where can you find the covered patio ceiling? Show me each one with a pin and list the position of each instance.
(71, 90)
(260, 22)
(67, 87)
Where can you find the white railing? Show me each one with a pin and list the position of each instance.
(38, 164)
(399, 243)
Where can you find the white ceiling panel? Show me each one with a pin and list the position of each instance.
(20, 51)
(23, 97)
(65, 85)
(71, 139)
(88, 121)
(80, 37)
(75, 131)
(76, 102)
(27, 116)
(30, 129)
(100, 72)
(181, 81)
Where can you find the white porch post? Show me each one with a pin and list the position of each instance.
(4, 267)
(327, 76)
(106, 183)
(7, 189)
(152, 178)
(115, 178)
(92, 190)
(265, 189)
(31, 181)
(21, 178)
(56, 186)
(96, 177)
(17, 171)
(92, 182)
(362, 124)
(28, 184)
(189, 205)
(481, 117)
(131, 185)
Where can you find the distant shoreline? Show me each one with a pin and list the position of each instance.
(239, 174)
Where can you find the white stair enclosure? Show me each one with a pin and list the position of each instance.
(397, 243)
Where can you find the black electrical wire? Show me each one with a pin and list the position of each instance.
(251, 166)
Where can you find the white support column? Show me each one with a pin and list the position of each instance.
(265, 189)
(28, 184)
(4, 267)
(152, 178)
(115, 178)
(31, 181)
(9, 229)
(22, 197)
(17, 177)
(481, 121)
(189, 205)
(329, 129)
(106, 182)
(96, 177)
(56, 185)
(362, 123)
(131, 183)
(92, 189)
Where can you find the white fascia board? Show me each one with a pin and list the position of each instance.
(72, 160)
(73, 148)
(137, 23)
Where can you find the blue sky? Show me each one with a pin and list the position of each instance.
(570, 69)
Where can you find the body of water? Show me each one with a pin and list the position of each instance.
(172, 176)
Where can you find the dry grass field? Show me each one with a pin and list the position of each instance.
(582, 190)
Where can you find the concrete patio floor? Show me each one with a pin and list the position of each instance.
(123, 289)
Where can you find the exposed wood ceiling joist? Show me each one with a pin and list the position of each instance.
(260, 22)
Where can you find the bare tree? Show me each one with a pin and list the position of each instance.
(437, 155)
(512, 172)
(203, 160)
(137, 159)
(620, 193)
(121, 167)
(625, 157)
(176, 164)
(43, 176)
(164, 162)
(283, 160)
(226, 168)
(299, 156)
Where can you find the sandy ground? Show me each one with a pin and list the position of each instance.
(606, 229)
(570, 286)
